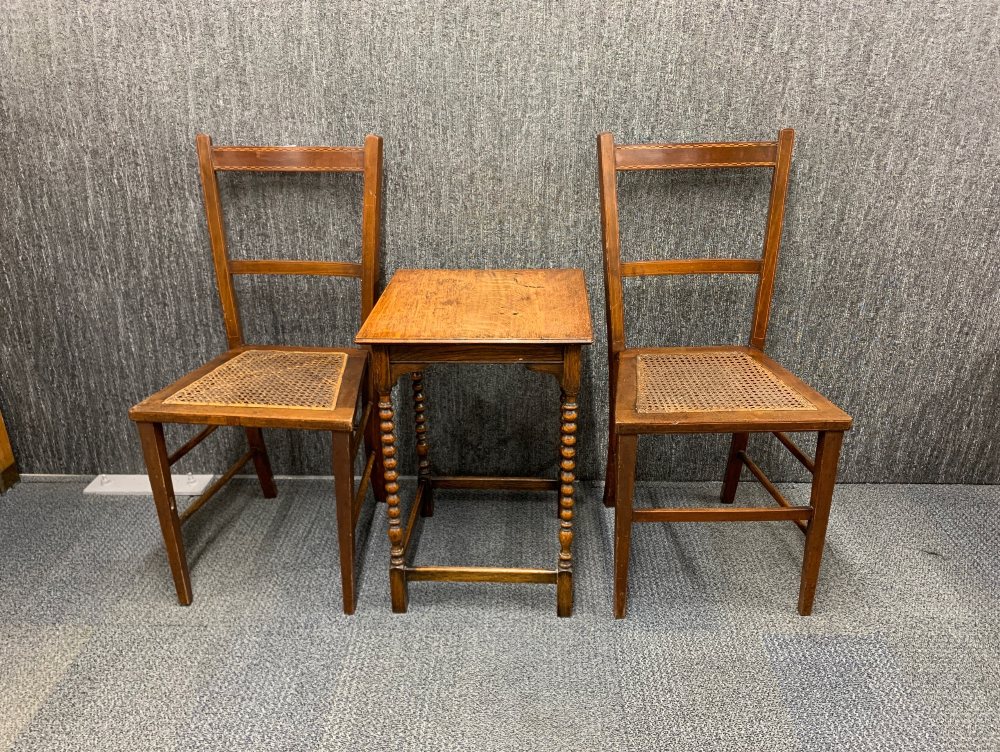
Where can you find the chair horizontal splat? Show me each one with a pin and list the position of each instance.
(690, 266)
(314, 268)
(289, 158)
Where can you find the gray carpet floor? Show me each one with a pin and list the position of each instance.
(902, 652)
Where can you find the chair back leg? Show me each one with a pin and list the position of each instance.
(610, 473)
(734, 466)
(261, 462)
(373, 445)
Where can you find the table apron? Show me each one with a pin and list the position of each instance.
(429, 353)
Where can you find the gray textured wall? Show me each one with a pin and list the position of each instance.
(888, 290)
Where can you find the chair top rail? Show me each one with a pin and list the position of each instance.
(690, 156)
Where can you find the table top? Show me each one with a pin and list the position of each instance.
(478, 306)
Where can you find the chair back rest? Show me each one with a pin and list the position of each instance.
(612, 158)
(366, 160)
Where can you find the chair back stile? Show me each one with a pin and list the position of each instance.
(772, 239)
(613, 297)
(366, 160)
(613, 158)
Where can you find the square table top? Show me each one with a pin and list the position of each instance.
(479, 306)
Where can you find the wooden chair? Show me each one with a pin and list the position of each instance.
(737, 390)
(265, 386)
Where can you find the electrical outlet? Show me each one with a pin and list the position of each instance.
(138, 485)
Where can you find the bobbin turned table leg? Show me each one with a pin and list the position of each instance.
(390, 473)
(570, 385)
(567, 476)
(423, 448)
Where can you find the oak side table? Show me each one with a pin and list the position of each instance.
(539, 318)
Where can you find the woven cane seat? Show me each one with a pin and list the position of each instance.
(710, 382)
(269, 378)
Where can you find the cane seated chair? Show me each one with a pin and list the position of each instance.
(735, 390)
(270, 386)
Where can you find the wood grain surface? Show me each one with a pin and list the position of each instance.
(475, 306)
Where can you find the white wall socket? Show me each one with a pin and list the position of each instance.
(138, 485)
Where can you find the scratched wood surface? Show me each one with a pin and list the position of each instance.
(476, 306)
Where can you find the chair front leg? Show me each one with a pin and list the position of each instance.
(734, 466)
(261, 463)
(343, 479)
(625, 487)
(824, 478)
(154, 450)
